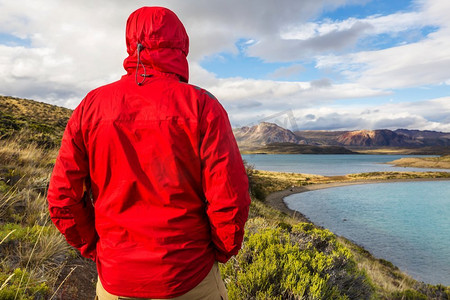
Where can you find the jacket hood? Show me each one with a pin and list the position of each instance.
(164, 40)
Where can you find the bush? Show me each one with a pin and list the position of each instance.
(278, 264)
(21, 285)
(408, 295)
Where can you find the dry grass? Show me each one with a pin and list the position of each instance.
(442, 162)
(32, 251)
(390, 150)
(385, 277)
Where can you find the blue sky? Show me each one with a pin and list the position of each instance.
(239, 64)
(332, 64)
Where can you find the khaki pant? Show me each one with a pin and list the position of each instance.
(211, 288)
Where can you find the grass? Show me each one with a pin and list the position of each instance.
(441, 162)
(32, 251)
(40, 123)
(291, 148)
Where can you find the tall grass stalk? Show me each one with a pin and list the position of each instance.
(8, 200)
(28, 262)
(6, 281)
(4, 239)
(62, 282)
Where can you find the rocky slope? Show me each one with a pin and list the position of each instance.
(379, 138)
(36, 122)
(427, 137)
(264, 134)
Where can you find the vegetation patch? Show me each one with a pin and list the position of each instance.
(302, 263)
(291, 148)
(37, 122)
(21, 285)
(440, 162)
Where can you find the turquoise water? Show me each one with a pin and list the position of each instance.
(327, 164)
(406, 223)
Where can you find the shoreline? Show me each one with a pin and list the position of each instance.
(276, 199)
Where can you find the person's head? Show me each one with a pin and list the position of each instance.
(165, 43)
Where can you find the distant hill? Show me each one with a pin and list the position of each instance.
(290, 148)
(271, 138)
(320, 137)
(377, 138)
(35, 121)
(427, 137)
(263, 134)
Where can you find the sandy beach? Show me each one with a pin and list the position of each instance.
(276, 199)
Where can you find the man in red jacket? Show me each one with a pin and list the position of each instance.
(149, 182)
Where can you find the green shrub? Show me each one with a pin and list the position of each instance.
(21, 285)
(278, 264)
(408, 295)
(18, 232)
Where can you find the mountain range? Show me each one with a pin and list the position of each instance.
(264, 134)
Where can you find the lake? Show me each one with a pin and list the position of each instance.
(406, 223)
(328, 164)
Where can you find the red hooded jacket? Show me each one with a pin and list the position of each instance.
(149, 181)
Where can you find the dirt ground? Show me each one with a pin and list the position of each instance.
(80, 284)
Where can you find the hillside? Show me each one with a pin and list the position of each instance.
(427, 137)
(270, 138)
(377, 138)
(442, 162)
(320, 137)
(37, 262)
(38, 122)
(263, 134)
(291, 148)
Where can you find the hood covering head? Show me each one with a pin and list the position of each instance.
(164, 40)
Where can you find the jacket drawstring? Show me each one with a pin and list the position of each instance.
(139, 48)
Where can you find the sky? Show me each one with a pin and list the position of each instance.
(303, 64)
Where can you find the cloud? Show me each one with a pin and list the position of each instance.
(287, 72)
(280, 95)
(73, 47)
(215, 26)
(285, 50)
(376, 24)
(425, 62)
(412, 65)
(426, 115)
(321, 83)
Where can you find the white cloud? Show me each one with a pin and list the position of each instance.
(278, 49)
(425, 62)
(376, 24)
(426, 115)
(418, 64)
(74, 48)
(286, 72)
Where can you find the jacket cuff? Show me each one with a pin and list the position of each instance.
(220, 257)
